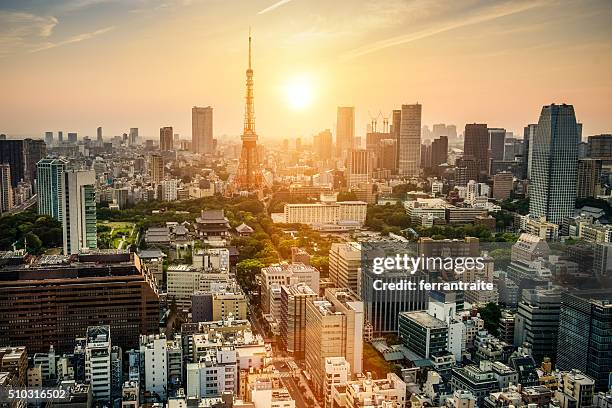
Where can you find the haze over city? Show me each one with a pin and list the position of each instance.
(75, 65)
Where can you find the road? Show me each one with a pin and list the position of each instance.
(23, 206)
(292, 386)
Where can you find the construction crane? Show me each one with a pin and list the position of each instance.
(374, 122)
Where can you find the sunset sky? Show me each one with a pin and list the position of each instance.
(74, 65)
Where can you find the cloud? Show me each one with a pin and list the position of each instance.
(274, 6)
(490, 13)
(73, 39)
(18, 29)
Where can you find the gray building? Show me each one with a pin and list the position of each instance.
(423, 333)
(537, 321)
(554, 162)
(585, 337)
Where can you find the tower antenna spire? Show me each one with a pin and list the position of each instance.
(249, 47)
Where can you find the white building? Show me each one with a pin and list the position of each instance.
(274, 276)
(325, 215)
(367, 392)
(153, 351)
(337, 372)
(169, 190)
(98, 361)
(78, 201)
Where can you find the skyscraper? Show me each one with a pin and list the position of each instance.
(79, 211)
(584, 334)
(345, 129)
(22, 156)
(537, 321)
(589, 174)
(334, 328)
(396, 124)
(166, 139)
(359, 167)
(323, 145)
(202, 130)
(99, 134)
(49, 138)
(497, 139)
(528, 134)
(439, 151)
(133, 136)
(476, 145)
(249, 176)
(156, 168)
(6, 190)
(554, 162)
(409, 146)
(51, 186)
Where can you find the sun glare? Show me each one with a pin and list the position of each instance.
(298, 92)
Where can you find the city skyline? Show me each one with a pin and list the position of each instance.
(84, 64)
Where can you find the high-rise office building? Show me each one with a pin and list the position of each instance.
(156, 168)
(600, 147)
(386, 155)
(99, 134)
(202, 129)
(584, 334)
(409, 146)
(554, 162)
(502, 185)
(589, 175)
(49, 138)
(293, 317)
(323, 145)
(51, 186)
(382, 307)
(497, 141)
(344, 265)
(334, 328)
(22, 156)
(359, 167)
(42, 304)
(476, 145)
(166, 139)
(133, 136)
(79, 211)
(425, 156)
(537, 321)
(528, 134)
(345, 130)
(396, 124)
(439, 151)
(60, 136)
(72, 137)
(6, 190)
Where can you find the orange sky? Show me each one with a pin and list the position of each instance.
(77, 64)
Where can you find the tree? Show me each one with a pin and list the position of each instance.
(491, 314)
(246, 271)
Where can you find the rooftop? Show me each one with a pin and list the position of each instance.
(424, 319)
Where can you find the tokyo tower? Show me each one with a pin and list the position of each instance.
(249, 176)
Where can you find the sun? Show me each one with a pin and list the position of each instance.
(298, 92)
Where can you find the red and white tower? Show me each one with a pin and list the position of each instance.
(249, 176)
